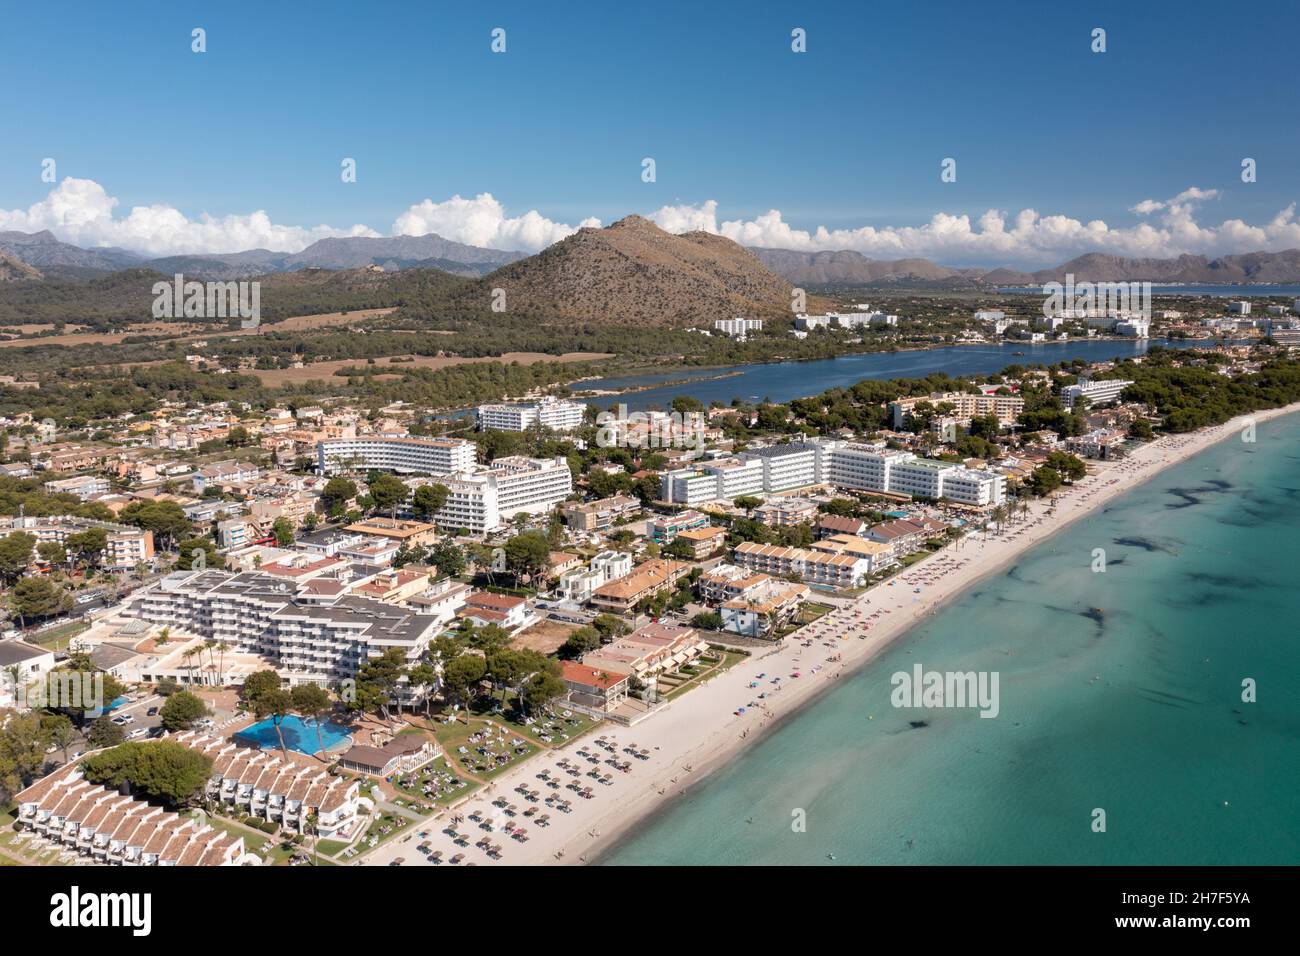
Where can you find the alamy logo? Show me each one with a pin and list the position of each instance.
(654, 429)
(935, 689)
(209, 300)
(76, 909)
(1087, 299)
(70, 690)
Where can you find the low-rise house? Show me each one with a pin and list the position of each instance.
(441, 600)
(579, 584)
(645, 581)
(504, 610)
(649, 651)
(403, 754)
(786, 512)
(66, 811)
(765, 609)
(593, 689)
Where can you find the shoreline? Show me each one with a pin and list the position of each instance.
(693, 736)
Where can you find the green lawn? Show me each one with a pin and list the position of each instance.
(450, 794)
(455, 735)
(56, 638)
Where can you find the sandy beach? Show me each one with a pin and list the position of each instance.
(705, 728)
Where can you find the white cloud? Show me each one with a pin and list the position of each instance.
(80, 211)
(482, 221)
(995, 238)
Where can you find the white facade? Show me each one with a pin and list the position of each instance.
(738, 327)
(309, 641)
(480, 500)
(431, 456)
(727, 478)
(786, 466)
(1096, 392)
(554, 413)
(83, 486)
(606, 566)
(875, 468)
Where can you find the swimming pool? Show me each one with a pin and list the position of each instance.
(299, 735)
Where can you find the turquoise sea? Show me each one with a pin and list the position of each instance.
(1119, 691)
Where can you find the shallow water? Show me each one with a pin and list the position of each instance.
(1119, 691)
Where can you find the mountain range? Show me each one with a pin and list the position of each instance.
(53, 257)
(629, 272)
(846, 269)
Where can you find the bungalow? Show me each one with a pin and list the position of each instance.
(402, 754)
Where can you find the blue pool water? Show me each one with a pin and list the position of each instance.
(299, 735)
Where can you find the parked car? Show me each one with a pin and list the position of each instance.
(137, 733)
(151, 712)
(123, 719)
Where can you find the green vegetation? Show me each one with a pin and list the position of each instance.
(160, 769)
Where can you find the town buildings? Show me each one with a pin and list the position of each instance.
(309, 636)
(549, 412)
(1097, 392)
(428, 456)
(126, 546)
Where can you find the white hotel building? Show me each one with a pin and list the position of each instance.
(428, 456)
(1097, 393)
(786, 467)
(875, 468)
(481, 499)
(554, 413)
(724, 479)
(308, 636)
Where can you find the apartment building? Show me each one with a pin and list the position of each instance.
(724, 479)
(645, 581)
(428, 456)
(84, 487)
(704, 541)
(786, 467)
(309, 637)
(812, 567)
(966, 406)
(664, 528)
(888, 471)
(787, 512)
(399, 531)
(125, 547)
(765, 609)
(1095, 392)
(738, 328)
(557, 414)
(224, 473)
(481, 500)
(598, 515)
(578, 585)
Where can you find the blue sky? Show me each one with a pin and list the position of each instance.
(847, 135)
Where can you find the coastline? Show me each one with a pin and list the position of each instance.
(701, 731)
